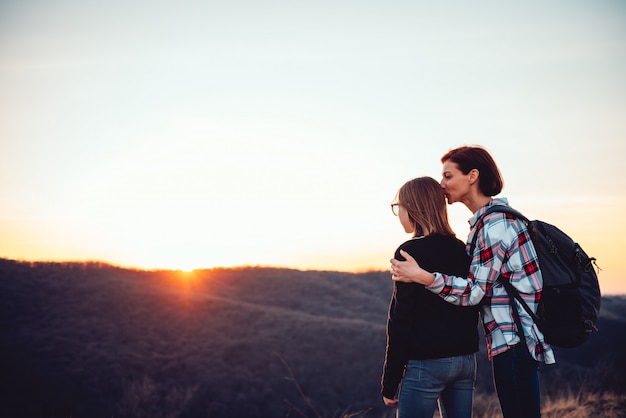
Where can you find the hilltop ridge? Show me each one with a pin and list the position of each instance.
(98, 340)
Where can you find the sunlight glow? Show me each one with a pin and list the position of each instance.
(239, 136)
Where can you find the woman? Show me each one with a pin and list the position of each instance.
(431, 342)
(503, 248)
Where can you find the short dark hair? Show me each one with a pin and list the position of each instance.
(468, 158)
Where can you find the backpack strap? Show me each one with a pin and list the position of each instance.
(518, 322)
(495, 208)
(510, 289)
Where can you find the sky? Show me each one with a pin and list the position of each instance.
(195, 134)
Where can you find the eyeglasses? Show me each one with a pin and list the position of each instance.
(395, 208)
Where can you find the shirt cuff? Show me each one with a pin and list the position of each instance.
(388, 393)
(437, 285)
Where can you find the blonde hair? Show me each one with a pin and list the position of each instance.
(425, 203)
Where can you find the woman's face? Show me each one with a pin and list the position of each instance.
(455, 184)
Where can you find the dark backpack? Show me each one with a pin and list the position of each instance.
(570, 301)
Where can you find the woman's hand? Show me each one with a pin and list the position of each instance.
(409, 271)
(390, 402)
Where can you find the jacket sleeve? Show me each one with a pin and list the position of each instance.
(487, 259)
(399, 323)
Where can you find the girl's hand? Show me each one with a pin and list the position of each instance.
(392, 403)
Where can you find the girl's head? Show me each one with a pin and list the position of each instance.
(468, 158)
(422, 207)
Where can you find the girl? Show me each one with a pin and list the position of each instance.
(431, 342)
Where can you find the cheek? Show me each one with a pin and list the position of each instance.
(451, 185)
(406, 224)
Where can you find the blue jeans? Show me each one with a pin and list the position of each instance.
(449, 379)
(516, 378)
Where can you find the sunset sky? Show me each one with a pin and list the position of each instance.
(190, 134)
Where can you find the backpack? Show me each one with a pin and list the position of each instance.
(570, 301)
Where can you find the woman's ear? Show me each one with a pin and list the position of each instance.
(473, 175)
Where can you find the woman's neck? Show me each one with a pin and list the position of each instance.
(477, 202)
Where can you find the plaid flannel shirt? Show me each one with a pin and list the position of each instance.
(502, 248)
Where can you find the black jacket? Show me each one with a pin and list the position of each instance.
(421, 325)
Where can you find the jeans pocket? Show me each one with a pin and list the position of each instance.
(469, 367)
(430, 373)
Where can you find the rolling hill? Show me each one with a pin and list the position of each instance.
(94, 340)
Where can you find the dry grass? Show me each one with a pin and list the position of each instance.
(573, 405)
(566, 404)
(142, 399)
(486, 405)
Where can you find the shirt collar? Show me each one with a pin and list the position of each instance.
(492, 202)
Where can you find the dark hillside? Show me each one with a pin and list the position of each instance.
(92, 340)
(79, 338)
